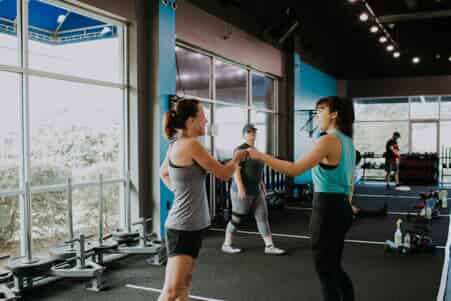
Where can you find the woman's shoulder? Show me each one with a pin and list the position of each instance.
(242, 146)
(187, 144)
(331, 138)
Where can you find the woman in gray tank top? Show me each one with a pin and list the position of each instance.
(183, 172)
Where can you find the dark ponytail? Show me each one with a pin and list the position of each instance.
(345, 112)
(176, 118)
(169, 120)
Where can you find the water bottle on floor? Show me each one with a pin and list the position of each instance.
(398, 234)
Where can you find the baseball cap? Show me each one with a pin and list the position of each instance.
(248, 127)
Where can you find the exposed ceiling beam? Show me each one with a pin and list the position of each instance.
(62, 23)
(292, 28)
(416, 16)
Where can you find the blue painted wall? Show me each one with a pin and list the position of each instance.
(310, 84)
(167, 72)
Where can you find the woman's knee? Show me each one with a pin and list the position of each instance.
(188, 281)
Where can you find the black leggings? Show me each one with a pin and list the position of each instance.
(331, 219)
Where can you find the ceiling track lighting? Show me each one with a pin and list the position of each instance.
(382, 39)
(374, 29)
(377, 26)
(364, 17)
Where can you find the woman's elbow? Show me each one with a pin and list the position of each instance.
(293, 172)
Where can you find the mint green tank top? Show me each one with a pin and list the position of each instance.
(336, 179)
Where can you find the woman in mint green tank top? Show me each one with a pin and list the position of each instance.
(332, 161)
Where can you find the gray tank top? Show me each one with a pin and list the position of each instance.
(189, 211)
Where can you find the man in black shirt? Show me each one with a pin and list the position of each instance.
(248, 196)
(392, 158)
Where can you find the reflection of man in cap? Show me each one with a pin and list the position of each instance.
(248, 195)
(392, 158)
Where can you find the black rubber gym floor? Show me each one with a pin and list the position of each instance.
(377, 275)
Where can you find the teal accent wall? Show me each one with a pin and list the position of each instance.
(167, 72)
(310, 84)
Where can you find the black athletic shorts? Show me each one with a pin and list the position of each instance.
(180, 242)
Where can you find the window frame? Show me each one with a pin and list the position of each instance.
(23, 70)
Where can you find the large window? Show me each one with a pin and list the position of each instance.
(75, 131)
(445, 107)
(9, 227)
(9, 131)
(193, 73)
(424, 107)
(262, 92)
(66, 42)
(382, 109)
(231, 83)
(234, 94)
(264, 122)
(9, 54)
(229, 123)
(62, 117)
(445, 137)
(424, 137)
(372, 136)
(206, 139)
(414, 117)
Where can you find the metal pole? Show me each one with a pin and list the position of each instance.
(128, 211)
(101, 205)
(27, 223)
(70, 212)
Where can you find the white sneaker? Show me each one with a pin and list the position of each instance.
(230, 249)
(271, 250)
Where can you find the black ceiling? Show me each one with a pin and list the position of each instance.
(332, 36)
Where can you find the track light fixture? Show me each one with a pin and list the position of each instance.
(364, 17)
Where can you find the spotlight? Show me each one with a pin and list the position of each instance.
(374, 29)
(449, 59)
(383, 39)
(437, 56)
(363, 17)
(352, 1)
(415, 60)
(61, 19)
(396, 54)
(390, 48)
(105, 31)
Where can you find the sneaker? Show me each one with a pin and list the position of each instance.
(229, 249)
(271, 250)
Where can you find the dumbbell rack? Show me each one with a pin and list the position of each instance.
(445, 164)
(367, 160)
